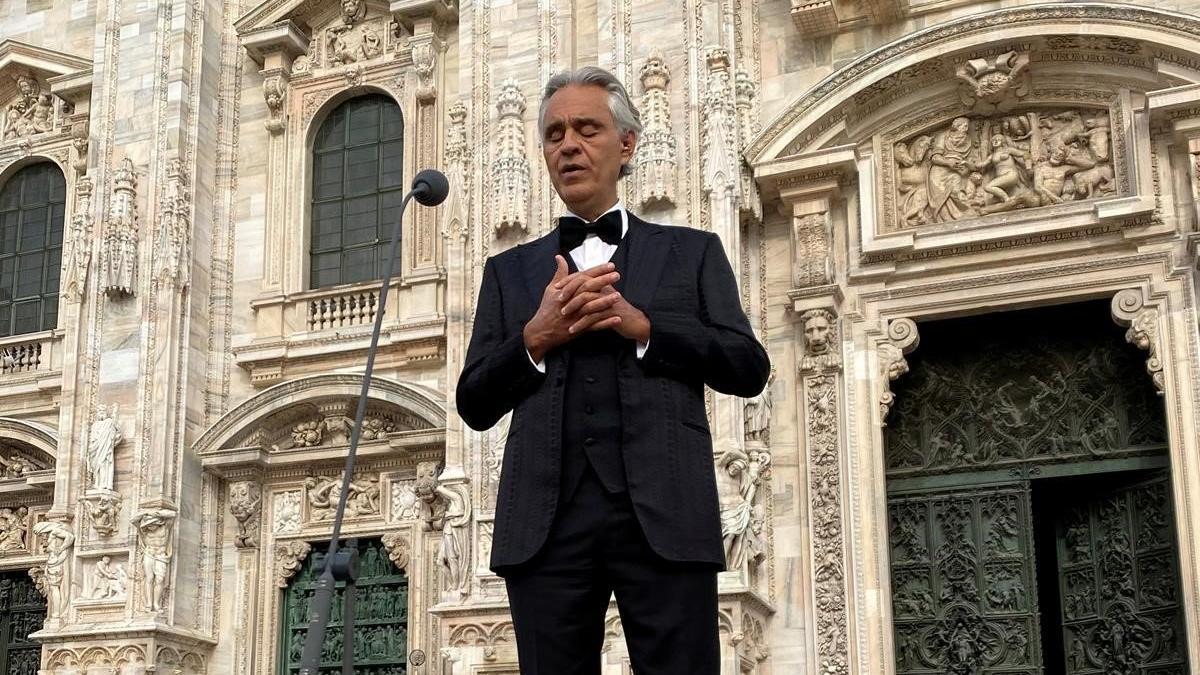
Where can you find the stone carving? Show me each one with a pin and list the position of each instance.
(108, 580)
(31, 112)
(104, 436)
(424, 56)
(820, 340)
(275, 94)
(718, 131)
(118, 255)
(902, 338)
(824, 471)
(375, 428)
(79, 141)
(995, 83)
(458, 170)
(758, 413)
(492, 444)
(59, 540)
(404, 501)
(353, 11)
(287, 513)
(447, 507)
(172, 254)
(324, 492)
(13, 523)
(398, 549)
(102, 508)
(656, 163)
(308, 434)
(510, 169)
(17, 465)
(345, 44)
(154, 536)
(38, 574)
(812, 260)
(748, 469)
(1129, 309)
(245, 503)
(77, 251)
(289, 556)
(986, 165)
(745, 93)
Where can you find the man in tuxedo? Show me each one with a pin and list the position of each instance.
(600, 337)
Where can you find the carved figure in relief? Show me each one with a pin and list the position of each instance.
(245, 503)
(948, 168)
(103, 439)
(19, 118)
(59, 540)
(1050, 177)
(108, 580)
(747, 469)
(353, 11)
(453, 520)
(758, 413)
(15, 466)
(155, 530)
(1009, 165)
(42, 117)
(369, 43)
(995, 82)
(913, 179)
(12, 528)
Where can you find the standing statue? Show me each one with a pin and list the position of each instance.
(735, 520)
(59, 539)
(102, 441)
(758, 413)
(452, 552)
(155, 530)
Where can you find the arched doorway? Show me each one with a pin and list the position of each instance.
(1030, 519)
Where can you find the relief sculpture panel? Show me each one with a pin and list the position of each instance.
(977, 166)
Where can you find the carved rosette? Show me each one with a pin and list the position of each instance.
(245, 504)
(118, 255)
(458, 169)
(902, 338)
(719, 129)
(398, 548)
(275, 94)
(510, 170)
(656, 163)
(1129, 309)
(172, 255)
(78, 246)
(289, 555)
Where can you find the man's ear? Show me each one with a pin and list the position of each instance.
(628, 144)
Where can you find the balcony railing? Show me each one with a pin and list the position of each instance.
(350, 308)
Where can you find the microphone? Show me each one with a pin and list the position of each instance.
(429, 188)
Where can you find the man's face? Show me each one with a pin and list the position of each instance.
(583, 149)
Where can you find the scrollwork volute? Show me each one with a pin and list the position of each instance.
(1130, 309)
(902, 338)
(275, 94)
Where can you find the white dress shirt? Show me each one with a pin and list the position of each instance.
(595, 251)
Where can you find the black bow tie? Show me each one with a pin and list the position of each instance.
(572, 231)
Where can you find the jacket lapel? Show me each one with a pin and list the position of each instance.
(648, 248)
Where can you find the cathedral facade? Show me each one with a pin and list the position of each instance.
(967, 233)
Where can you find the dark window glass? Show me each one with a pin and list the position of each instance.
(32, 208)
(358, 166)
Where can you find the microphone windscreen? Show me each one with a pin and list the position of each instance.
(431, 187)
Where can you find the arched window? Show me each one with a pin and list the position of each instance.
(32, 208)
(356, 190)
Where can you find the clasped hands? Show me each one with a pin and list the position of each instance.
(584, 301)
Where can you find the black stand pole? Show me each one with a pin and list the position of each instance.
(427, 188)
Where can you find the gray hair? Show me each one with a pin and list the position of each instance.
(624, 113)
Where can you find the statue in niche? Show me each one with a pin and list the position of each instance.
(12, 528)
(102, 441)
(758, 413)
(108, 580)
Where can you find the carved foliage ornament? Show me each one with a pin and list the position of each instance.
(994, 83)
(979, 166)
(824, 469)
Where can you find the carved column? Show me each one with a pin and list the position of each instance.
(1194, 158)
(245, 505)
(424, 257)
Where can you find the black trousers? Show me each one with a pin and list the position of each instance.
(595, 549)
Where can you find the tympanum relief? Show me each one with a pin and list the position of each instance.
(31, 111)
(977, 166)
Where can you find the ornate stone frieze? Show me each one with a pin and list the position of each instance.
(979, 166)
(286, 512)
(811, 236)
(102, 508)
(719, 129)
(104, 436)
(446, 506)
(77, 249)
(275, 94)
(398, 548)
(995, 83)
(458, 170)
(118, 254)
(821, 402)
(289, 556)
(14, 528)
(323, 493)
(245, 504)
(107, 580)
(172, 254)
(656, 163)
(902, 338)
(59, 540)
(1129, 309)
(510, 169)
(154, 543)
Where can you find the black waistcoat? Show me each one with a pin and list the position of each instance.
(592, 400)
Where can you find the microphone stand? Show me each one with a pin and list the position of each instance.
(343, 565)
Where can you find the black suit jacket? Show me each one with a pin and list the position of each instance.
(681, 279)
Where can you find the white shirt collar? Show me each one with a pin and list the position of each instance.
(615, 207)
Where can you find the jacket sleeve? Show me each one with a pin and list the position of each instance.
(717, 345)
(498, 373)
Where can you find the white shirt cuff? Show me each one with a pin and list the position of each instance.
(540, 365)
(642, 347)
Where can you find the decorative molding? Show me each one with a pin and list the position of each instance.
(510, 170)
(1129, 308)
(902, 338)
(289, 556)
(656, 164)
(118, 253)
